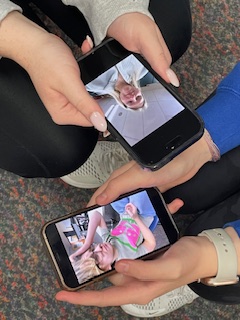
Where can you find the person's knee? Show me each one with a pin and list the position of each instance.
(51, 155)
(175, 22)
(70, 152)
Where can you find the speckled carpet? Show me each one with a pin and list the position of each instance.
(27, 282)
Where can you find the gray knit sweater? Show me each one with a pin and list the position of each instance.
(98, 13)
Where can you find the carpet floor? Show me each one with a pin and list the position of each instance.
(27, 281)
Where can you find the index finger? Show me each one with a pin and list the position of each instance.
(133, 178)
(77, 94)
(111, 296)
(102, 200)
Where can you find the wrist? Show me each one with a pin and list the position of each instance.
(213, 149)
(227, 258)
(208, 264)
(18, 37)
(203, 145)
(236, 242)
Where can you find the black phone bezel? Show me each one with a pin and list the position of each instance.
(58, 255)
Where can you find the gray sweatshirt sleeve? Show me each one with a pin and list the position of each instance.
(100, 14)
(6, 7)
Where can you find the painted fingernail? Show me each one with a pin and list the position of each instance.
(90, 42)
(172, 78)
(106, 134)
(98, 121)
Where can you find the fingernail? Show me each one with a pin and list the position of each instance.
(98, 121)
(90, 42)
(173, 78)
(106, 134)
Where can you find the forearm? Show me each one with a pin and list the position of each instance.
(100, 14)
(185, 165)
(198, 252)
(236, 241)
(149, 239)
(20, 38)
(95, 220)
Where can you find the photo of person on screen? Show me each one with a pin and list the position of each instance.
(122, 82)
(131, 238)
(141, 106)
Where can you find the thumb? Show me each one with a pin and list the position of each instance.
(158, 58)
(145, 270)
(85, 106)
(175, 205)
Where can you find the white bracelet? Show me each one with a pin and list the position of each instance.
(227, 258)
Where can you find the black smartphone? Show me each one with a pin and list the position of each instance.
(83, 246)
(144, 113)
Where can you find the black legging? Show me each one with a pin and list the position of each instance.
(31, 144)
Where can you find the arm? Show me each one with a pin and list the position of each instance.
(100, 14)
(40, 54)
(131, 176)
(130, 23)
(95, 220)
(221, 113)
(149, 241)
(6, 7)
(188, 260)
(221, 116)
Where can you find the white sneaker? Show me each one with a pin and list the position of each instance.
(105, 158)
(162, 305)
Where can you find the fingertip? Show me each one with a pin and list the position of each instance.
(175, 205)
(87, 45)
(61, 296)
(98, 120)
(172, 77)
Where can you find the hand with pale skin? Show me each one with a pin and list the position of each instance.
(55, 72)
(95, 220)
(132, 30)
(137, 281)
(140, 34)
(132, 176)
(131, 210)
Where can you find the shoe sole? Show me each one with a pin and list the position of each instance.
(79, 185)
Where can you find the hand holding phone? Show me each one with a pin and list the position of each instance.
(143, 112)
(83, 246)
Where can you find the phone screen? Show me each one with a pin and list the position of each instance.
(133, 100)
(89, 243)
